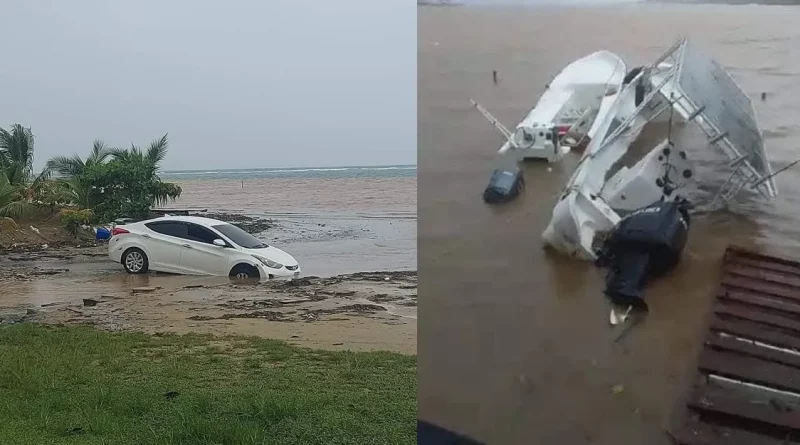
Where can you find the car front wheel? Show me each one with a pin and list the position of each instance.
(135, 261)
(244, 272)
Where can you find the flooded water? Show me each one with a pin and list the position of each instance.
(87, 279)
(515, 346)
(333, 220)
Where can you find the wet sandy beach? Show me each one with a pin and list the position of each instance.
(363, 302)
(361, 311)
(517, 348)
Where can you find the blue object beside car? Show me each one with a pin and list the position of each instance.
(102, 233)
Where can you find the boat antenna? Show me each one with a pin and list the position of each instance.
(671, 113)
(780, 170)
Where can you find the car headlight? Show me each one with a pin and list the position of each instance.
(268, 262)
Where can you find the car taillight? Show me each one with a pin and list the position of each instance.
(118, 231)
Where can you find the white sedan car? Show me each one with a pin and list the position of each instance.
(197, 246)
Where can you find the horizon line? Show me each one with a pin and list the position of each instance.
(291, 168)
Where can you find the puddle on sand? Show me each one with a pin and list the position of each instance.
(88, 280)
(391, 309)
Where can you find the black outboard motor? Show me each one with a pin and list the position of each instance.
(645, 244)
(504, 186)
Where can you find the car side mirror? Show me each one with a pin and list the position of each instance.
(220, 243)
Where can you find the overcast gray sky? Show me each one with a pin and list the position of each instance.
(548, 2)
(236, 83)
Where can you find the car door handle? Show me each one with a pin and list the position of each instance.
(188, 246)
(144, 235)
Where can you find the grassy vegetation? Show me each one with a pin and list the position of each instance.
(109, 183)
(78, 385)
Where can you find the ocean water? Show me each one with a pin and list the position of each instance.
(356, 191)
(334, 220)
(383, 171)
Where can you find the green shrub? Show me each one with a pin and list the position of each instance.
(126, 187)
(74, 219)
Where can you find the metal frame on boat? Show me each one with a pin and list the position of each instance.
(700, 91)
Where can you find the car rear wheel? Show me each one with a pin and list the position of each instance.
(244, 272)
(135, 261)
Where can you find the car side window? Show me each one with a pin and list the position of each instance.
(177, 230)
(201, 234)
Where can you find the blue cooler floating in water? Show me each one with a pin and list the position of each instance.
(102, 233)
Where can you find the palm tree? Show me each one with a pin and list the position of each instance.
(72, 166)
(12, 202)
(154, 154)
(163, 192)
(16, 154)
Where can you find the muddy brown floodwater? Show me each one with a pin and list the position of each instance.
(515, 345)
(358, 311)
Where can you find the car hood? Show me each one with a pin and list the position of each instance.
(274, 254)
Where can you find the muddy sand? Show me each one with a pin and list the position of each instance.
(80, 285)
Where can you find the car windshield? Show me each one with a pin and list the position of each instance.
(240, 237)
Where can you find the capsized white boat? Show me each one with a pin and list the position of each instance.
(568, 111)
(699, 91)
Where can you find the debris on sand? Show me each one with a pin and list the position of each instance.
(341, 308)
(383, 276)
(294, 300)
(40, 271)
(313, 315)
(298, 282)
(267, 315)
(137, 290)
(383, 298)
(249, 224)
(245, 304)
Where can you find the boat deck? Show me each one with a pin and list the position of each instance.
(745, 385)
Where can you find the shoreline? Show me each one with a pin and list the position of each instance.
(346, 309)
(325, 245)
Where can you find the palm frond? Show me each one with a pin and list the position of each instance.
(41, 178)
(67, 166)
(119, 153)
(16, 209)
(158, 150)
(79, 192)
(164, 192)
(12, 203)
(17, 148)
(100, 152)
